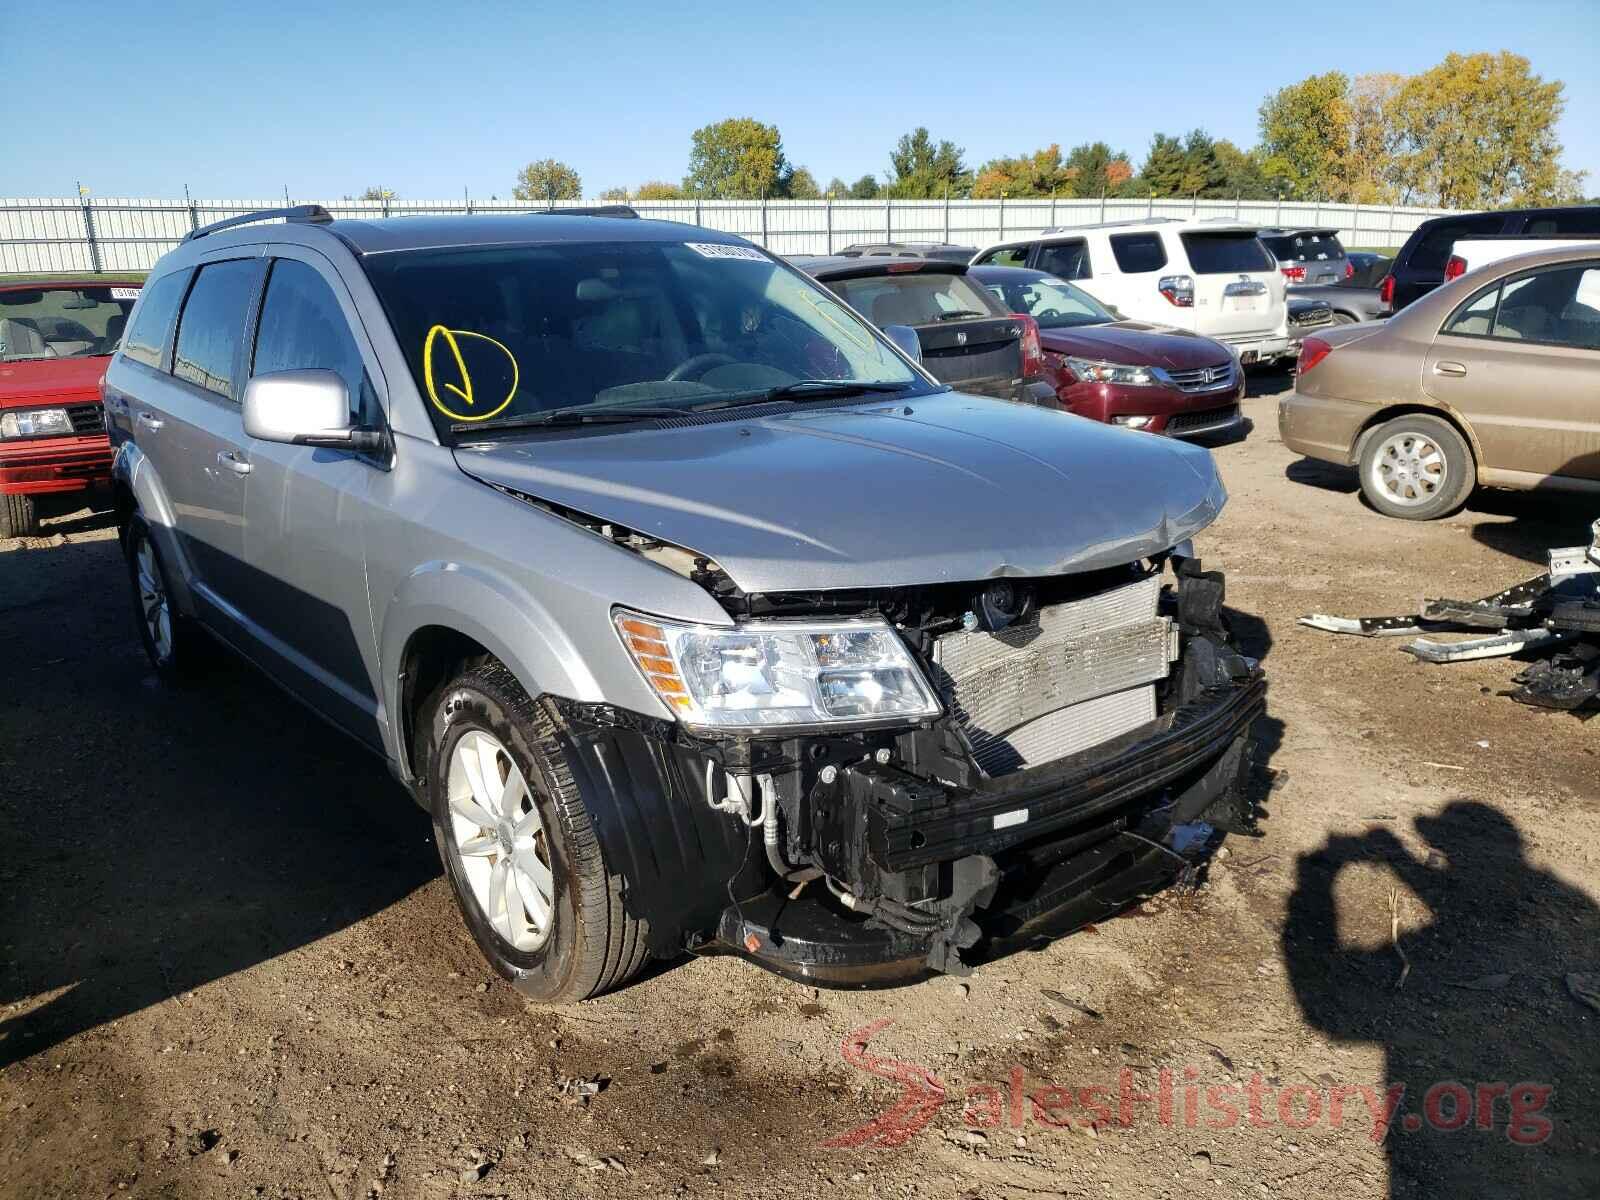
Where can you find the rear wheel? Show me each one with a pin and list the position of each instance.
(175, 645)
(517, 843)
(19, 516)
(1417, 468)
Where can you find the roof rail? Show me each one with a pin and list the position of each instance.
(1118, 224)
(595, 210)
(309, 214)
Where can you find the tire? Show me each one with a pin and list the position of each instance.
(176, 646)
(525, 831)
(19, 516)
(1416, 468)
(1342, 318)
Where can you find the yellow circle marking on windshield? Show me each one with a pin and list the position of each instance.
(464, 391)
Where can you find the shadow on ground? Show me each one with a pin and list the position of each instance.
(157, 839)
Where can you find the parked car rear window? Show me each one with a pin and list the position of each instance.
(506, 332)
(1227, 253)
(1065, 260)
(211, 327)
(915, 298)
(148, 337)
(1138, 253)
(1304, 247)
(302, 326)
(1433, 248)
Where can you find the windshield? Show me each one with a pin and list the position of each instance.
(63, 322)
(915, 298)
(1053, 303)
(505, 337)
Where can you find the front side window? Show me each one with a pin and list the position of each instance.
(211, 328)
(502, 336)
(302, 326)
(1233, 253)
(1053, 303)
(147, 340)
(82, 321)
(1557, 306)
(1138, 253)
(1068, 260)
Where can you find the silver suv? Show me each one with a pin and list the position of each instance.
(696, 613)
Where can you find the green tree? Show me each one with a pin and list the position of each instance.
(1242, 173)
(616, 195)
(657, 189)
(1305, 135)
(737, 159)
(1165, 168)
(865, 188)
(1042, 173)
(1097, 170)
(803, 185)
(1479, 131)
(547, 180)
(921, 169)
(838, 189)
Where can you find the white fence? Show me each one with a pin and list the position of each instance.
(53, 235)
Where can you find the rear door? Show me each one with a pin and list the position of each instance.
(304, 533)
(1238, 290)
(1131, 282)
(1519, 361)
(192, 429)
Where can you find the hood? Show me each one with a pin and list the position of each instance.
(1137, 344)
(58, 379)
(940, 488)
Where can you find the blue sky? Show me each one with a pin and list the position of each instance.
(242, 100)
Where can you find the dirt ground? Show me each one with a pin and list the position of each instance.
(229, 965)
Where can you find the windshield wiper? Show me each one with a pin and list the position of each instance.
(957, 314)
(569, 417)
(802, 389)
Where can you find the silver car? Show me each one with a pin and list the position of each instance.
(697, 614)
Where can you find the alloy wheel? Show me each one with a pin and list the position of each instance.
(154, 606)
(1409, 469)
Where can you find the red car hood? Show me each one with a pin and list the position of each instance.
(59, 379)
(1137, 344)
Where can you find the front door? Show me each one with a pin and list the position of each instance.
(1519, 361)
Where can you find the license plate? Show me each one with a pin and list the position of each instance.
(1246, 357)
(1246, 304)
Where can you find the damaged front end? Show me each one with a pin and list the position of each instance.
(1087, 729)
(1556, 613)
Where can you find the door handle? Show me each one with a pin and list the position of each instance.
(230, 460)
(1449, 368)
(153, 424)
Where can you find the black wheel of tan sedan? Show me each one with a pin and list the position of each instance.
(18, 516)
(1416, 467)
(517, 843)
(176, 646)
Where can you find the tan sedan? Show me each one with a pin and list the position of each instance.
(1492, 379)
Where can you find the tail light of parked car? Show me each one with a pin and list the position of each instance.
(1349, 269)
(1312, 351)
(1454, 268)
(1386, 291)
(1032, 353)
(1178, 289)
(1294, 274)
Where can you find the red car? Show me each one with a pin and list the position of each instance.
(56, 338)
(1118, 371)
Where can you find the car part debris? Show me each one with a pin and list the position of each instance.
(1557, 611)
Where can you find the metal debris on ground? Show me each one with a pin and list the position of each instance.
(1556, 613)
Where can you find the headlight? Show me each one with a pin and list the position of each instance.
(1090, 371)
(766, 674)
(35, 422)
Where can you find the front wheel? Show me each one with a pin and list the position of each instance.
(517, 843)
(19, 516)
(1417, 468)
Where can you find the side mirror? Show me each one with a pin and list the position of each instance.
(906, 338)
(308, 407)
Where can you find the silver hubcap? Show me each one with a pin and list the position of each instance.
(153, 600)
(1409, 469)
(505, 854)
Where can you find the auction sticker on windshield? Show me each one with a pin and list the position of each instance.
(721, 250)
(124, 293)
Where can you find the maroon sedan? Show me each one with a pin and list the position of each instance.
(1119, 371)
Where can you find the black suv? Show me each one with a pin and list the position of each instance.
(1419, 267)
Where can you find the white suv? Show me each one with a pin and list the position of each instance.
(1211, 277)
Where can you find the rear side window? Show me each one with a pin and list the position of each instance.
(1227, 253)
(1065, 260)
(211, 328)
(148, 337)
(1138, 253)
(1433, 248)
(1006, 256)
(303, 326)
